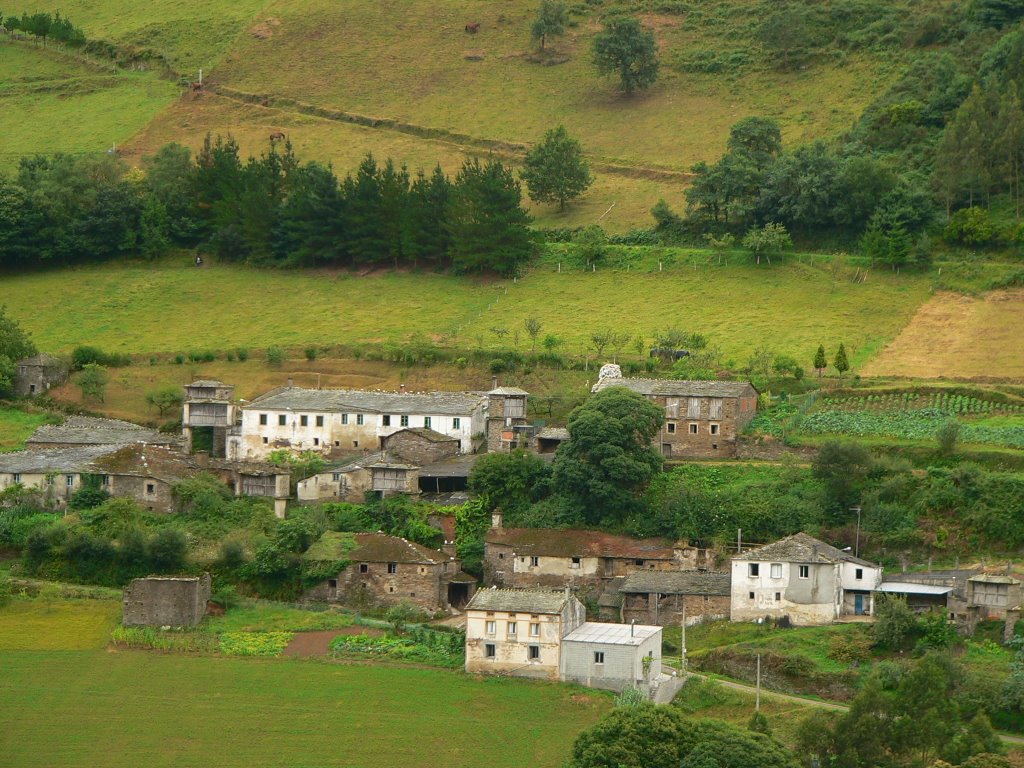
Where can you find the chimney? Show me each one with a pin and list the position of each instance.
(291, 382)
(449, 549)
(496, 517)
(494, 382)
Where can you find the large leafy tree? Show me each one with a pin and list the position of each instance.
(607, 463)
(510, 481)
(551, 20)
(626, 49)
(555, 170)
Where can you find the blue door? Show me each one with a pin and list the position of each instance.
(858, 605)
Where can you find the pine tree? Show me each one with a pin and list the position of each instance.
(555, 170)
(820, 361)
(841, 364)
(364, 203)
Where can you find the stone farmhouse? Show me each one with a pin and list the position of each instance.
(702, 418)
(386, 570)
(35, 375)
(78, 431)
(804, 579)
(581, 559)
(666, 598)
(338, 421)
(57, 473)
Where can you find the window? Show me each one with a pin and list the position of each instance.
(693, 429)
(49, 479)
(266, 440)
(489, 651)
(599, 657)
(778, 596)
(638, 562)
(337, 443)
(715, 408)
(316, 441)
(693, 408)
(574, 563)
(385, 420)
(858, 574)
(670, 427)
(70, 480)
(805, 571)
(282, 420)
(392, 567)
(404, 421)
(754, 569)
(364, 567)
(303, 420)
(512, 629)
(355, 443)
(150, 489)
(750, 595)
(332, 583)
(456, 423)
(263, 419)
(714, 429)
(359, 419)
(534, 629)
(336, 477)
(426, 422)
(319, 421)
(344, 419)
(776, 570)
(104, 480)
(492, 627)
(533, 653)
(534, 561)
(17, 477)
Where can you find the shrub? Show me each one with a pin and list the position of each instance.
(311, 353)
(167, 550)
(971, 226)
(849, 648)
(275, 356)
(498, 365)
(6, 589)
(894, 623)
(243, 354)
(946, 436)
(179, 359)
(83, 356)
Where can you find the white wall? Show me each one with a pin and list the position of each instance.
(821, 607)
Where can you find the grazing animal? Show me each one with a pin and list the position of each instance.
(196, 86)
(277, 136)
(473, 27)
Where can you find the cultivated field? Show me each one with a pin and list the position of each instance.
(962, 336)
(96, 707)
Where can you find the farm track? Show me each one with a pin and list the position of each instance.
(508, 150)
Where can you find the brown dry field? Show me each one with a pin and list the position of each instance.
(959, 337)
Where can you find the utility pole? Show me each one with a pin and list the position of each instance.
(757, 694)
(856, 544)
(739, 541)
(682, 642)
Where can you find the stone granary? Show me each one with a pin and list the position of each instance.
(666, 598)
(804, 579)
(507, 427)
(166, 601)
(77, 431)
(208, 412)
(702, 418)
(35, 375)
(385, 570)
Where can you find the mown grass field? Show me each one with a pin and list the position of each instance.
(128, 708)
(16, 426)
(169, 307)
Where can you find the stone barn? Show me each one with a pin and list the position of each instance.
(166, 601)
(35, 375)
(663, 598)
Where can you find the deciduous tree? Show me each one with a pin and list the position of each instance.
(626, 49)
(555, 170)
(552, 17)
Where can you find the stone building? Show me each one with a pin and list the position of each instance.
(348, 480)
(520, 631)
(56, 473)
(507, 427)
(419, 445)
(35, 375)
(340, 421)
(665, 598)
(804, 579)
(702, 418)
(166, 601)
(208, 412)
(582, 559)
(77, 431)
(993, 595)
(386, 570)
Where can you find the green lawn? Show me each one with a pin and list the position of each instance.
(16, 426)
(170, 307)
(46, 624)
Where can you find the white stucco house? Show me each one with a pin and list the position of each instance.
(803, 578)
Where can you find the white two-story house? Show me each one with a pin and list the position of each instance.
(803, 578)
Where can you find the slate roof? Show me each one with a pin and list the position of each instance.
(801, 548)
(553, 433)
(518, 600)
(509, 392)
(680, 387)
(993, 578)
(453, 466)
(372, 548)
(43, 359)
(709, 583)
(429, 435)
(70, 460)
(364, 401)
(557, 542)
(611, 634)
(145, 461)
(207, 383)
(87, 430)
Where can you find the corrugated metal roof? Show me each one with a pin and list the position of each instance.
(363, 401)
(680, 387)
(518, 601)
(909, 588)
(611, 634)
(678, 583)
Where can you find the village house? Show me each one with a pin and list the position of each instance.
(666, 598)
(386, 570)
(35, 375)
(56, 473)
(507, 426)
(76, 431)
(702, 418)
(333, 421)
(804, 579)
(582, 559)
(208, 412)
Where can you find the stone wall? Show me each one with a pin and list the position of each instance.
(37, 379)
(667, 610)
(421, 584)
(161, 499)
(677, 441)
(166, 601)
(416, 449)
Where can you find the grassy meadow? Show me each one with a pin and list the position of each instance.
(16, 426)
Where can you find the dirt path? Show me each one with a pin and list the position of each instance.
(308, 644)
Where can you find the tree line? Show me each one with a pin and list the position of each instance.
(45, 26)
(271, 210)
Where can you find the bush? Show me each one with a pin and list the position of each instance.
(894, 623)
(498, 365)
(971, 226)
(850, 648)
(311, 353)
(83, 356)
(167, 550)
(275, 356)
(242, 353)
(6, 589)
(946, 436)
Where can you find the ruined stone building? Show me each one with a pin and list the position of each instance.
(665, 598)
(386, 570)
(35, 375)
(702, 418)
(803, 578)
(166, 601)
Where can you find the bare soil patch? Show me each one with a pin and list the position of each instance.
(960, 337)
(308, 644)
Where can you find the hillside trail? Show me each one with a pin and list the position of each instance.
(816, 703)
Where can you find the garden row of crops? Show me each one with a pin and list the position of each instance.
(942, 403)
(909, 425)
